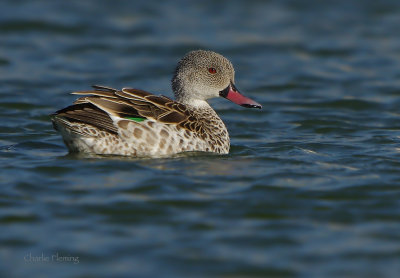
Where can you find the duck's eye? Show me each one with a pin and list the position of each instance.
(212, 70)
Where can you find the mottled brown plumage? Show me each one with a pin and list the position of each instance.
(137, 123)
(134, 103)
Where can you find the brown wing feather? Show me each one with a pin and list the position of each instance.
(103, 88)
(132, 93)
(158, 100)
(96, 93)
(172, 117)
(87, 113)
(128, 103)
(113, 107)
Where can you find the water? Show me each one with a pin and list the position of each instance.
(310, 188)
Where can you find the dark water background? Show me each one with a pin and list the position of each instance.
(311, 187)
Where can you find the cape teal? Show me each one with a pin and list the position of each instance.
(133, 122)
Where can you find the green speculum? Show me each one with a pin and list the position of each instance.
(136, 119)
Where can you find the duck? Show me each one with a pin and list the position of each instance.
(133, 122)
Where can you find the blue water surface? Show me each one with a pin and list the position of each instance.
(311, 187)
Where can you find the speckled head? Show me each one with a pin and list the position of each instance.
(202, 75)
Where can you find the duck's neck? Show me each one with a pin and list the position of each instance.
(197, 104)
(211, 122)
(212, 125)
(199, 107)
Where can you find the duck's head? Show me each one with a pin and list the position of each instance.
(202, 75)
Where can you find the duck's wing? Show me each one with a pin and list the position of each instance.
(102, 106)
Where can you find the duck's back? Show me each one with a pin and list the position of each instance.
(136, 123)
